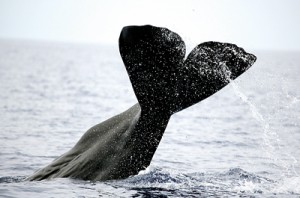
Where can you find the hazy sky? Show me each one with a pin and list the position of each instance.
(255, 24)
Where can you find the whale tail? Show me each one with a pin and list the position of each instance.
(163, 80)
(164, 83)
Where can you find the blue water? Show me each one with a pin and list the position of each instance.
(242, 141)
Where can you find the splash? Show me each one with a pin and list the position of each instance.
(271, 140)
(168, 182)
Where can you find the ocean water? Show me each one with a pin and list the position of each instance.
(241, 142)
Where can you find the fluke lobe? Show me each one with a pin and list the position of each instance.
(164, 83)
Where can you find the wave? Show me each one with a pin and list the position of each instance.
(158, 182)
(234, 182)
(12, 179)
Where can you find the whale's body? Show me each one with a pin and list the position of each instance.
(164, 83)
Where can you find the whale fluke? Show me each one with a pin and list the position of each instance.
(163, 80)
(164, 83)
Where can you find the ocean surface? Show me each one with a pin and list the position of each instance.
(244, 141)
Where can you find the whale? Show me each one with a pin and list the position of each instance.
(165, 81)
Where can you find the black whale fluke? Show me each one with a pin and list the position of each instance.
(163, 80)
(164, 83)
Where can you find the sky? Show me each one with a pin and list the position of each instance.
(252, 24)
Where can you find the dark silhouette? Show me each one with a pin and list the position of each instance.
(164, 83)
